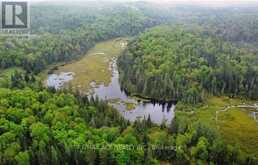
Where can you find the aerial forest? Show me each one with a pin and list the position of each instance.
(172, 63)
(204, 59)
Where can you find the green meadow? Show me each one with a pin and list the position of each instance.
(93, 67)
(236, 125)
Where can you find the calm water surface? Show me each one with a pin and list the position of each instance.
(158, 112)
(57, 81)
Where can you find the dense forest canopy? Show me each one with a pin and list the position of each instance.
(56, 18)
(41, 127)
(212, 52)
(38, 52)
(187, 65)
(236, 24)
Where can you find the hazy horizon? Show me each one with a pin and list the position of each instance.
(176, 2)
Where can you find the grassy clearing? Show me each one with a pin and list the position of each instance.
(238, 127)
(235, 125)
(207, 112)
(94, 66)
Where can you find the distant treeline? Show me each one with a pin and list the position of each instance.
(36, 53)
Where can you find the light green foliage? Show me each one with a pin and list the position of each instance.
(201, 150)
(22, 158)
(44, 127)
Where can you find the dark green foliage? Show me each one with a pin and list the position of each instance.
(37, 52)
(45, 126)
(174, 64)
(41, 127)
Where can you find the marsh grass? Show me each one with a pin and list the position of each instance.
(94, 66)
(236, 125)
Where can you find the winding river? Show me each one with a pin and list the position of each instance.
(131, 108)
(158, 111)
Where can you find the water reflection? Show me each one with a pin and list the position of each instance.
(57, 81)
(158, 111)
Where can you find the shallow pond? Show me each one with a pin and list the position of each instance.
(57, 81)
(130, 108)
(158, 111)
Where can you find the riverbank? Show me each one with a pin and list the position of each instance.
(96, 74)
(92, 67)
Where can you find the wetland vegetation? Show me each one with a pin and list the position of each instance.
(99, 84)
(94, 66)
(96, 74)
